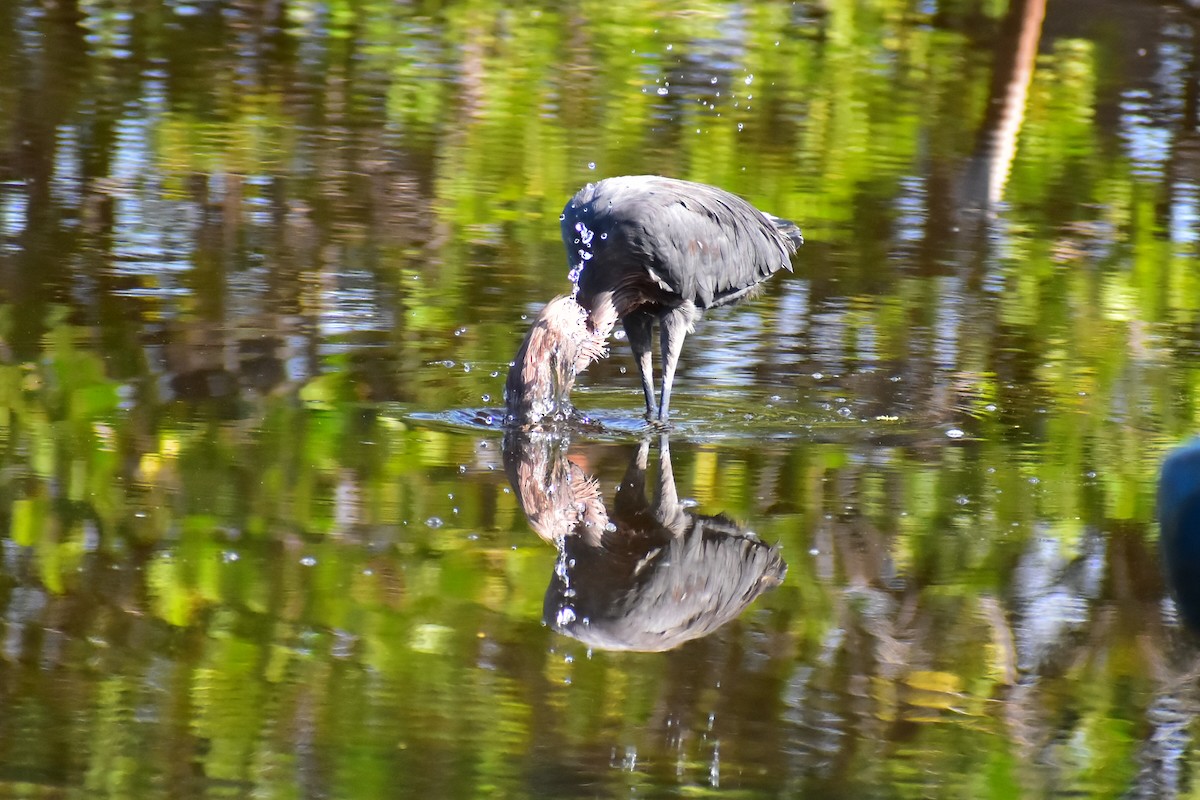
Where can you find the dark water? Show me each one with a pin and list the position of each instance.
(262, 269)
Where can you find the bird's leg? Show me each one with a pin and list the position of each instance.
(631, 494)
(637, 328)
(673, 327)
(667, 508)
(666, 497)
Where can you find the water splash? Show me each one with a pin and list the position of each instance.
(565, 614)
(585, 234)
(584, 251)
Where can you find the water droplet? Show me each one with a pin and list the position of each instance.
(584, 233)
(591, 165)
(308, 561)
(603, 236)
(749, 79)
(662, 90)
(741, 125)
(955, 433)
(434, 522)
(713, 80)
(487, 398)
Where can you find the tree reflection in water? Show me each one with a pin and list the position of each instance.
(647, 575)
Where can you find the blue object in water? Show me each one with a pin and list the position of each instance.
(1179, 518)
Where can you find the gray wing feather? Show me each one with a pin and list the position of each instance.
(694, 241)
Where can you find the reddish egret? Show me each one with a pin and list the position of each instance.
(643, 248)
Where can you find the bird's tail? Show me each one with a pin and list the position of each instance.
(789, 229)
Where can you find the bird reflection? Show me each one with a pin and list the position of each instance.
(1179, 520)
(643, 574)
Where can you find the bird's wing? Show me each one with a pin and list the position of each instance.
(705, 244)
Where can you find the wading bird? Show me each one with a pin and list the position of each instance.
(642, 249)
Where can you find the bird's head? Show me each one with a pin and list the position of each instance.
(562, 342)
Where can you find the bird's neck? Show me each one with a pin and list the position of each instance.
(561, 343)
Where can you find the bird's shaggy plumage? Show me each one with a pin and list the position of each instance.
(667, 242)
(645, 249)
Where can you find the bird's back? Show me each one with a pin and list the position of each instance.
(660, 240)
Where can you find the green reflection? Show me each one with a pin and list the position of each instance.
(261, 273)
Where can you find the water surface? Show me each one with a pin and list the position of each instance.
(262, 269)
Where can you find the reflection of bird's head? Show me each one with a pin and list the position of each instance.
(562, 342)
